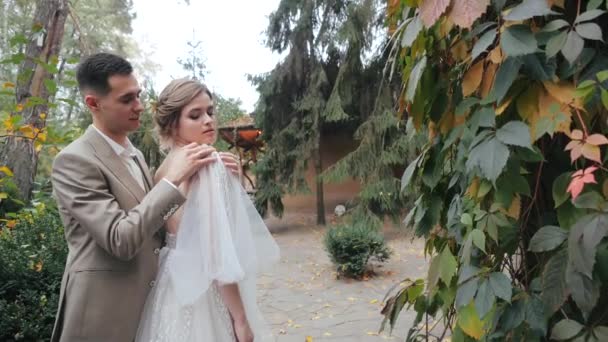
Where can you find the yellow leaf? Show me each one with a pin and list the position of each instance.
(469, 321)
(527, 103)
(6, 171)
(3, 195)
(372, 333)
(19, 107)
(42, 116)
(327, 334)
(515, 208)
(297, 326)
(488, 79)
(373, 301)
(460, 51)
(504, 105)
(445, 27)
(564, 92)
(446, 123)
(496, 55)
(546, 111)
(28, 131)
(472, 79)
(473, 188)
(38, 146)
(592, 152)
(41, 137)
(8, 85)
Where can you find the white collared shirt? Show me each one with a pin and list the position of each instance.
(127, 155)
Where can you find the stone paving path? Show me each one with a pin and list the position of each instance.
(302, 296)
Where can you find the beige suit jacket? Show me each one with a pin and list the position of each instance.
(111, 226)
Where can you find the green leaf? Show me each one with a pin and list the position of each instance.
(51, 86)
(555, 290)
(513, 315)
(602, 75)
(593, 4)
(589, 15)
(484, 299)
(584, 291)
(483, 43)
(535, 314)
(601, 333)
(448, 266)
(584, 237)
(466, 292)
(547, 239)
(408, 174)
(490, 156)
(411, 32)
(501, 285)
(479, 239)
(589, 200)
(560, 185)
(465, 105)
(529, 9)
(590, 31)
(466, 219)
(605, 98)
(515, 133)
(555, 25)
(505, 76)
(518, 40)
(555, 44)
(487, 117)
(565, 329)
(568, 215)
(414, 79)
(433, 274)
(573, 47)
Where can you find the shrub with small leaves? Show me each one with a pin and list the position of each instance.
(32, 260)
(351, 247)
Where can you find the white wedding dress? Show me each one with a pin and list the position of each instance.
(221, 240)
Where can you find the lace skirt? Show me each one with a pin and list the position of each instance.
(164, 319)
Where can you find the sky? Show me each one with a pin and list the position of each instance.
(231, 33)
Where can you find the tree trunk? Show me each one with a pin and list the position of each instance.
(316, 153)
(19, 153)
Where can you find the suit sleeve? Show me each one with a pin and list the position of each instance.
(81, 188)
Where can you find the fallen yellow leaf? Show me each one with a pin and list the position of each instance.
(308, 338)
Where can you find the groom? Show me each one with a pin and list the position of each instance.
(111, 209)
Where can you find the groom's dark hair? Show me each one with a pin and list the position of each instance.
(95, 70)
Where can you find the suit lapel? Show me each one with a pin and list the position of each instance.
(145, 170)
(112, 161)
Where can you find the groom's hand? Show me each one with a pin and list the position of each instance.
(186, 160)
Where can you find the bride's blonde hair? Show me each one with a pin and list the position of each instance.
(167, 110)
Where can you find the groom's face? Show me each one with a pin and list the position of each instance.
(119, 110)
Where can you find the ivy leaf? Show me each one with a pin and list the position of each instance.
(589, 15)
(565, 329)
(589, 200)
(535, 314)
(529, 9)
(465, 12)
(515, 133)
(584, 237)
(579, 179)
(431, 10)
(555, 290)
(483, 43)
(414, 79)
(466, 292)
(573, 47)
(584, 291)
(506, 74)
(605, 98)
(501, 285)
(448, 266)
(433, 274)
(547, 238)
(590, 31)
(479, 239)
(472, 79)
(469, 322)
(490, 156)
(487, 117)
(560, 185)
(555, 25)
(411, 32)
(518, 40)
(601, 333)
(555, 44)
(593, 4)
(484, 299)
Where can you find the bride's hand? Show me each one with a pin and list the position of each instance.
(243, 332)
(231, 162)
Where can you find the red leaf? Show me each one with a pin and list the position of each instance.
(596, 139)
(431, 10)
(579, 179)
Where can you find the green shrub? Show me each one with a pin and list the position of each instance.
(350, 248)
(32, 259)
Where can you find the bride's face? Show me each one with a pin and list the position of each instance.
(197, 122)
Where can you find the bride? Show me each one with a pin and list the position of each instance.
(215, 244)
